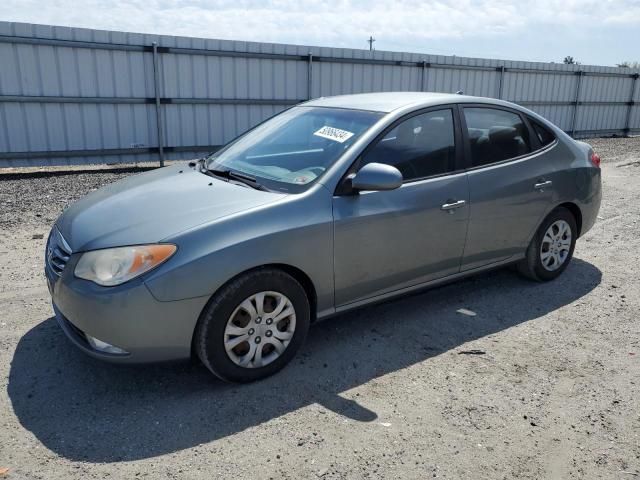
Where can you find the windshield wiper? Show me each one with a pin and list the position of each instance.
(238, 177)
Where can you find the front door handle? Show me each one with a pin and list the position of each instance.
(450, 207)
(542, 185)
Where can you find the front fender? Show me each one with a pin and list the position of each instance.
(297, 231)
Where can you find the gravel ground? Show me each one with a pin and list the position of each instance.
(384, 392)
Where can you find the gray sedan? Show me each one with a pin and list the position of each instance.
(330, 205)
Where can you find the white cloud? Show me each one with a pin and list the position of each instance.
(278, 20)
(405, 24)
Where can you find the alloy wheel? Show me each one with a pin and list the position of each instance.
(555, 245)
(260, 329)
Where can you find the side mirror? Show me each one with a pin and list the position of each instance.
(376, 176)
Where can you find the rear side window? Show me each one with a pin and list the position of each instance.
(543, 133)
(495, 135)
(421, 146)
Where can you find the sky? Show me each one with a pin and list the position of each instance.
(602, 32)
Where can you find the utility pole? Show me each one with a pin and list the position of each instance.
(370, 42)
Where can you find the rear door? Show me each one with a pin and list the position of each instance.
(510, 184)
(389, 240)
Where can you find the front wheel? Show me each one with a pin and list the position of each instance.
(551, 248)
(253, 326)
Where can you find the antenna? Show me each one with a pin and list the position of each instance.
(459, 92)
(370, 42)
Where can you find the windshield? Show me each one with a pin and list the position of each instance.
(291, 150)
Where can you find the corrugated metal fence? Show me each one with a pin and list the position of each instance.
(72, 95)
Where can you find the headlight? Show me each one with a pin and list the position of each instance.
(114, 266)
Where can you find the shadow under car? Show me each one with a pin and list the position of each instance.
(87, 410)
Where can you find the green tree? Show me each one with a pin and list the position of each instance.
(629, 65)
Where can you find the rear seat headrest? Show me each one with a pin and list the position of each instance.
(475, 133)
(502, 134)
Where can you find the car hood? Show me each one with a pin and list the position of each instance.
(151, 206)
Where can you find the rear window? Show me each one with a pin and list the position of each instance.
(543, 133)
(495, 135)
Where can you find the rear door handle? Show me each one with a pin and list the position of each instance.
(543, 185)
(453, 205)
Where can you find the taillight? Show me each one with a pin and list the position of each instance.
(595, 159)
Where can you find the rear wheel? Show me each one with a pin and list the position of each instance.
(253, 326)
(551, 248)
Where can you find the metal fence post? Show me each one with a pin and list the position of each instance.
(32, 152)
(309, 75)
(574, 117)
(424, 75)
(627, 123)
(500, 80)
(156, 85)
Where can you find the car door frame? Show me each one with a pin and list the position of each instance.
(536, 146)
(459, 160)
(343, 187)
(534, 142)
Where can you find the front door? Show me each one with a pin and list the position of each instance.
(388, 240)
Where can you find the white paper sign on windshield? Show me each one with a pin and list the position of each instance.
(334, 134)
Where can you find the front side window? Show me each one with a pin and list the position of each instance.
(495, 135)
(421, 146)
(291, 150)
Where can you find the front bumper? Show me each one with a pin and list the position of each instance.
(127, 316)
(79, 339)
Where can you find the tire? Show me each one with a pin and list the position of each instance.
(532, 266)
(227, 320)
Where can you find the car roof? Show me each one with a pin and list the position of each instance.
(390, 101)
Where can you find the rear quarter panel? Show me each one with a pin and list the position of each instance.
(575, 180)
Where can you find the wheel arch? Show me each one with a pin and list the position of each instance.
(573, 208)
(576, 212)
(303, 279)
(299, 275)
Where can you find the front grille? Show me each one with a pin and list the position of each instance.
(58, 252)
